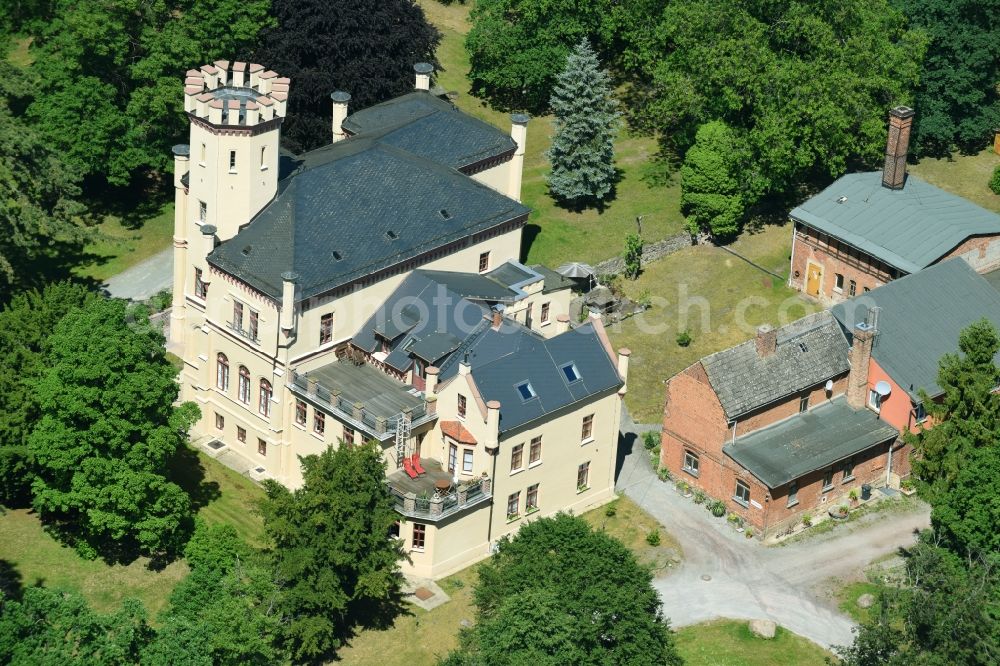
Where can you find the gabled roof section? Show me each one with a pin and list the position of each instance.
(810, 441)
(332, 219)
(502, 359)
(425, 125)
(920, 320)
(809, 351)
(909, 228)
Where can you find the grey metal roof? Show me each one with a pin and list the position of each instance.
(430, 127)
(330, 221)
(475, 286)
(380, 394)
(909, 228)
(808, 442)
(920, 319)
(809, 351)
(512, 273)
(502, 359)
(553, 281)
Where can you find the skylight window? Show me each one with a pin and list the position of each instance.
(526, 391)
(391, 235)
(337, 256)
(444, 214)
(571, 372)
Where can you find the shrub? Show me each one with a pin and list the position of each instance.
(995, 180)
(699, 497)
(611, 509)
(749, 532)
(684, 338)
(633, 256)
(718, 508)
(663, 474)
(650, 439)
(853, 494)
(653, 538)
(735, 519)
(683, 487)
(807, 520)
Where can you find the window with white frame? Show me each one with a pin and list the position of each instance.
(742, 495)
(300, 412)
(461, 406)
(517, 457)
(254, 324)
(319, 422)
(531, 498)
(244, 387)
(513, 504)
(544, 316)
(264, 406)
(838, 284)
(237, 316)
(467, 461)
(535, 452)
(326, 328)
(222, 372)
(583, 476)
(220, 421)
(874, 400)
(847, 470)
(690, 463)
(587, 428)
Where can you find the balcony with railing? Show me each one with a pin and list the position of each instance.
(435, 495)
(362, 396)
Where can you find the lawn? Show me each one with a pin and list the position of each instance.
(40, 560)
(555, 235)
(730, 643)
(964, 175)
(847, 597)
(124, 240)
(630, 525)
(715, 296)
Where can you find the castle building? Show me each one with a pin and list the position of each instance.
(371, 290)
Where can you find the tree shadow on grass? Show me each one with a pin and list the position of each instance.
(10, 581)
(133, 205)
(188, 472)
(586, 203)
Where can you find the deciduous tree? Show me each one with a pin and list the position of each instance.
(582, 154)
(108, 431)
(332, 548)
(366, 47)
(714, 189)
(600, 605)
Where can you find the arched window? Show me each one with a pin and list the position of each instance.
(222, 372)
(244, 393)
(265, 398)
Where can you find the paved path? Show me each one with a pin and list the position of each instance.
(749, 580)
(145, 278)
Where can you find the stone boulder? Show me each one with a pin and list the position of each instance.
(763, 628)
(866, 601)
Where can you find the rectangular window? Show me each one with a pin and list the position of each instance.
(204, 153)
(854, 288)
(583, 476)
(202, 212)
(200, 288)
(220, 421)
(326, 328)
(920, 413)
(874, 400)
(531, 499)
(587, 431)
(300, 412)
(516, 457)
(847, 471)
(419, 536)
(803, 403)
(263, 154)
(461, 406)
(232, 161)
(827, 480)
(241, 434)
(513, 504)
(484, 262)
(348, 434)
(526, 391)
(690, 463)
(452, 458)
(261, 447)
(742, 495)
(535, 452)
(544, 316)
(237, 315)
(838, 284)
(319, 422)
(254, 323)
(793, 493)
(467, 461)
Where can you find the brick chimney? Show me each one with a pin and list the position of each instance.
(894, 171)
(861, 354)
(766, 340)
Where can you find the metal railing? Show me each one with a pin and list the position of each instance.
(437, 506)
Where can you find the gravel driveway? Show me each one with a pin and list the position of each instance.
(747, 579)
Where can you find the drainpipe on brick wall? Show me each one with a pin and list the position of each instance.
(888, 467)
(791, 262)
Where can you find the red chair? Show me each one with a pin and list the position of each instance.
(415, 461)
(408, 468)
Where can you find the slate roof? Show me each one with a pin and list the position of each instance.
(909, 228)
(431, 127)
(553, 281)
(809, 441)
(331, 220)
(920, 320)
(809, 351)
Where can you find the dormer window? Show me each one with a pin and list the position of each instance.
(445, 215)
(571, 373)
(526, 391)
(391, 235)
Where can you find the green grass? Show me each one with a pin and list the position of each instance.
(555, 235)
(726, 299)
(730, 643)
(901, 504)
(40, 560)
(122, 243)
(965, 175)
(630, 525)
(847, 598)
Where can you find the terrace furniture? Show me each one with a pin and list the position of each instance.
(415, 461)
(408, 468)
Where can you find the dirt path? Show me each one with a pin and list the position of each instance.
(746, 579)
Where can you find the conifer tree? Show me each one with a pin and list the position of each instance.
(583, 152)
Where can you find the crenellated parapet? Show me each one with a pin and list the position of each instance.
(235, 94)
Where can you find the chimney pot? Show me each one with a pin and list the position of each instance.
(562, 323)
(341, 100)
(766, 340)
(896, 148)
(497, 319)
(423, 71)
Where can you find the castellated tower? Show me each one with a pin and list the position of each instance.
(226, 174)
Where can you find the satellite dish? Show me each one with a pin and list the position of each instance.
(883, 389)
(829, 385)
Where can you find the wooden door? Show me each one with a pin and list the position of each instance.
(812, 280)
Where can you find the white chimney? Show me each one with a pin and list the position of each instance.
(340, 100)
(424, 71)
(492, 426)
(519, 133)
(288, 280)
(207, 247)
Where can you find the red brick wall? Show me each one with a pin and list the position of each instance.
(833, 258)
(782, 410)
(981, 252)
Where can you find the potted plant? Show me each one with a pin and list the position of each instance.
(807, 520)
(663, 474)
(749, 533)
(699, 496)
(718, 508)
(840, 512)
(683, 488)
(853, 495)
(907, 487)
